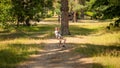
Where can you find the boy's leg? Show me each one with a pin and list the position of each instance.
(64, 41)
(60, 42)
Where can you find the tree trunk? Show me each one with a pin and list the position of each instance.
(18, 23)
(59, 18)
(82, 2)
(82, 13)
(75, 17)
(64, 18)
(27, 21)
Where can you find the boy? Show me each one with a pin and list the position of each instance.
(59, 37)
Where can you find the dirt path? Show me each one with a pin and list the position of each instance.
(57, 57)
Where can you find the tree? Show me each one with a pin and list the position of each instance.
(74, 7)
(5, 7)
(77, 7)
(57, 11)
(26, 10)
(82, 2)
(110, 10)
(64, 18)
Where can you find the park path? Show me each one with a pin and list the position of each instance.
(53, 56)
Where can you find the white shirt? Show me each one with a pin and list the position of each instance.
(57, 34)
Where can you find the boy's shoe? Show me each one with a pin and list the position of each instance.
(63, 46)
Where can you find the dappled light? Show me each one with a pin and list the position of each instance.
(39, 44)
(59, 34)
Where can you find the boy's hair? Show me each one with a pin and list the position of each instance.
(56, 28)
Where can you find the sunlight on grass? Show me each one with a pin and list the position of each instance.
(106, 39)
(102, 44)
(22, 41)
(12, 54)
(107, 56)
(53, 18)
(109, 62)
(90, 39)
(86, 28)
(16, 45)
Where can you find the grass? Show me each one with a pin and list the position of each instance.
(106, 39)
(12, 54)
(109, 62)
(103, 45)
(16, 45)
(53, 19)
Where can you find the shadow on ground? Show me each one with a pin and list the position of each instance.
(97, 50)
(16, 53)
(54, 56)
(77, 30)
(42, 31)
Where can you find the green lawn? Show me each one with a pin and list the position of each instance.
(19, 43)
(16, 45)
(103, 45)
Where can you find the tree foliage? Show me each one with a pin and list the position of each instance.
(110, 9)
(57, 6)
(23, 11)
(26, 10)
(5, 7)
(74, 5)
